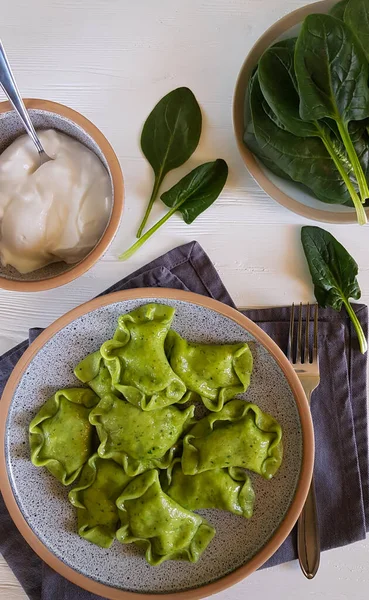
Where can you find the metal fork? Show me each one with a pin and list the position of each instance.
(304, 357)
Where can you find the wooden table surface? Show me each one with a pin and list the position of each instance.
(112, 60)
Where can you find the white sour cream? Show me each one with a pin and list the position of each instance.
(54, 212)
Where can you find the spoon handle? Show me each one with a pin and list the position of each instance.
(10, 88)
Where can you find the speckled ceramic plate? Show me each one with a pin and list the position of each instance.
(289, 194)
(38, 503)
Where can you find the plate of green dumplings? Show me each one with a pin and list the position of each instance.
(155, 442)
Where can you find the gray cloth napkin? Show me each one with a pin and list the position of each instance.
(339, 414)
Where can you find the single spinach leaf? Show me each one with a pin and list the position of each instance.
(198, 190)
(191, 196)
(251, 142)
(304, 159)
(169, 137)
(338, 10)
(332, 75)
(331, 71)
(333, 271)
(356, 16)
(288, 43)
(279, 86)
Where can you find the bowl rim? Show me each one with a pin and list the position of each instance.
(117, 207)
(307, 433)
(264, 41)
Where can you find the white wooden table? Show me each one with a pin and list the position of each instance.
(113, 60)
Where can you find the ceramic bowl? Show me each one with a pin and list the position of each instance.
(38, 503)
(287, 193)
(51, 115)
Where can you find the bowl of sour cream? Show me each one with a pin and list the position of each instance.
(58, 219)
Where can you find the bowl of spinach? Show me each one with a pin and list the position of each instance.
(301, 111)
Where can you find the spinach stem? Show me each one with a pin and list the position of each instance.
(354, 160)
(148, 234)
(356, 323)
(157, 184)
(361, 214)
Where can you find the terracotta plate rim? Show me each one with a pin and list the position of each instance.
(306, 428)
(264, 41)
(117, 206)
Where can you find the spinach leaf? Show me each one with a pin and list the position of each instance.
(333, 272)
(288, 43)
(191, 196)
(332, 75)
(251, 142)
(279, 86)
(170, 135)
(198, 190)
(304, 159)
(338, 10)
(356, 16)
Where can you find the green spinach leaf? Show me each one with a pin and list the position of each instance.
(356, 16)
(303, 159)
(198, 190)
(191, 196)
(338, 10)
(251, 142)
(279, 87)
(333, 271)
(332, 75)
(170, 135)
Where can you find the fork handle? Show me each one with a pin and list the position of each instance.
(308, 542)
(308, 539)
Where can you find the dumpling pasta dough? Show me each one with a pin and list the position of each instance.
(60, 435)
(215, 372)
(240, 435)
(136, 439)
(159, 524)
(226, 489)
(100, 484)
(136, 359)
(93, 371)
(139, 460)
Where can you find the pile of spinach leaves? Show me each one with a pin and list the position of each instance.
(169, 137)
(308, 106)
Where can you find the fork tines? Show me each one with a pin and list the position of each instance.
(302, 349)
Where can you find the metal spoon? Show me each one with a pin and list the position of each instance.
(10, 88)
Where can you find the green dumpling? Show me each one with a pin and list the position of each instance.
(138, 440)
(226, 489)
(216, 372)
(157, 523)
(93, 371)
(240, 435)
(61, 435)
(99, 486)
(137, 362)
